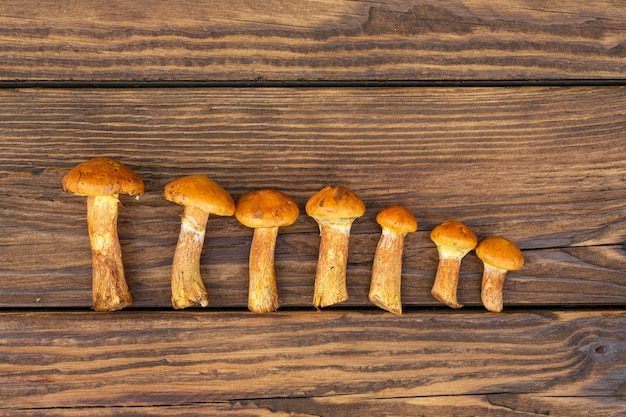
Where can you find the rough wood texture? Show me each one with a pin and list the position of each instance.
(544, 167)
(314, 364)
(311, 40)
(541, 166)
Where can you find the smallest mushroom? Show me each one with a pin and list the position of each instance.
(499, 255)
(454, 240)
(386, 283)
(200, 196)
(265, 211)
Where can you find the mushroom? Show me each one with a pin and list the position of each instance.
(334, 208)
(200, 196)
(265, 211)
(385, 286)
(102, 180)
(499, 255)
(454, 240)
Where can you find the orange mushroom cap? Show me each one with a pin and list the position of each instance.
(202, 193)
(500, 253)
(335, 202)
(102, 176)
(266, 208)
(454, 233)
(398, 219)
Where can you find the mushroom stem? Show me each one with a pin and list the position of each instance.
(330, 278)
(454, 240)
(187, 286)
(262, 291)
(110, 291)
(492, 284)
(447, 280)
(386, 283)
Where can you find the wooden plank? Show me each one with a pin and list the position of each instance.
(348, 405)
(470, 405)
(228, 409)
(541, 166)
(311, 40)
(315, 363)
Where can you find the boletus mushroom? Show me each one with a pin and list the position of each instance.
(102, 180)
(334, 208)
(200, 197)
(265, 211)
(386, 282)
(454, 240)
(499, 255)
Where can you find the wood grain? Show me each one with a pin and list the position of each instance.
(541, 166)
(228, 409)
(329, 363)
(200, 40)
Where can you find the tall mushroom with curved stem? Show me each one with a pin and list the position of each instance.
(200, 196)
(499, 255)
(334, 208)
(454, 240)
(386, 283)
(102, 180)
(265, 211)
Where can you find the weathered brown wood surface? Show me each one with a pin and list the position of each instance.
(542, 165)
(385, 40)
(328, 363)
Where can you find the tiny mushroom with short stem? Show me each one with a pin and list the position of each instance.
(454, 240)
(200, 197)
(265, 211)
(499, 255)
(102, 180)
(386, 283)
(334, 208)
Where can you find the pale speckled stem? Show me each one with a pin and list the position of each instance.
(187, 286)
(386, 283)
(262, 291)
(447, 277)
(446, 281)
(109, 288)
(330, 278)
(492, 285)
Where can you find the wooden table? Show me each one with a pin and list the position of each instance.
(507, 116)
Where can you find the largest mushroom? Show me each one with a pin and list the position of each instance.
(334, 208)
(102, 180)
(200, 196)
